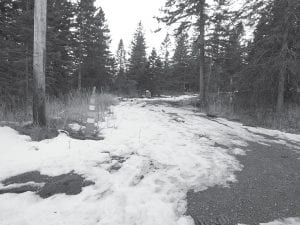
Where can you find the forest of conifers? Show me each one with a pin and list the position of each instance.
(249, 71)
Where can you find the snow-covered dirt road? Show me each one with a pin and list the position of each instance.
(152, 155)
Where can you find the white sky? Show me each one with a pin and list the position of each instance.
(123, 17)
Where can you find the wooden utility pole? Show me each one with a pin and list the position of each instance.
(202, 96)
(39, 62)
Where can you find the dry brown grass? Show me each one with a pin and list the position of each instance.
(60, 111)
(288, 120)
(72, 106)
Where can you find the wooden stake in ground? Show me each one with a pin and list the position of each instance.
(39, 62)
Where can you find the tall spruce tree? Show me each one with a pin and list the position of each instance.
(96, 66)
(59, 42)
(233, 59)
(180, 60)
(121, 79)
(92, 52)
(16, 39)
(194, 64)
(186, 13)
(165, 50)
(271, 75)
(152, 78)
(121, 57)
(16, 35)
(85, 12)
(137, 60)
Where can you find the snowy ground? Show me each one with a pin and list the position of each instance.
(167, 151)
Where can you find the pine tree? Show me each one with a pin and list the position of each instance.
(112, 72)
(137, 60)
(233, 60)
(180, 64)
(185, 13)
(152, 77)
(85, 12)
(121, 81)
(121, 58)
(95, 71)
(59, 43)
(16, 39)
(218, 40)
(165, 50)
(194, 64)
(165, 77)
(92, 46)
(271, 75)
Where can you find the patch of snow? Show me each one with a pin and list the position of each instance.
(75, 127)
(287, 221)
(163, 160)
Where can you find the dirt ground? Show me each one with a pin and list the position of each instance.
(268, 188)
(70, 184)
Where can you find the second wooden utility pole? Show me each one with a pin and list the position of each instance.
(39, 62)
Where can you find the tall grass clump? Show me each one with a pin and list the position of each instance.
(264, 116)
(72, 106)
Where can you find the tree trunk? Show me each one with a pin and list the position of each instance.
(39, 62)
(26, 91)
(282, 74)
(280, 94)
(79, 78)
(79, 81)
(202, 95)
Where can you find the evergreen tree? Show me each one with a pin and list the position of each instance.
(186, 13)
(112, 70)
(137, 60)
(16, 38)
(271, 75)
(59, 42)
(233, 60)
(85, 12)
(121, 58)
(152, 77)
(180, 77)
(218, 41)
(93, 39)
(165, 49)
(166, 61)
(121, 82)
(16, 35)
(194, 64)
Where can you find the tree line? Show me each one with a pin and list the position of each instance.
(211, 54)
(77, 46)
(261, 72)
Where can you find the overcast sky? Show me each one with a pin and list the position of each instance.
(123, 17)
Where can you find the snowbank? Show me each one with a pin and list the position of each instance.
(163, 159)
